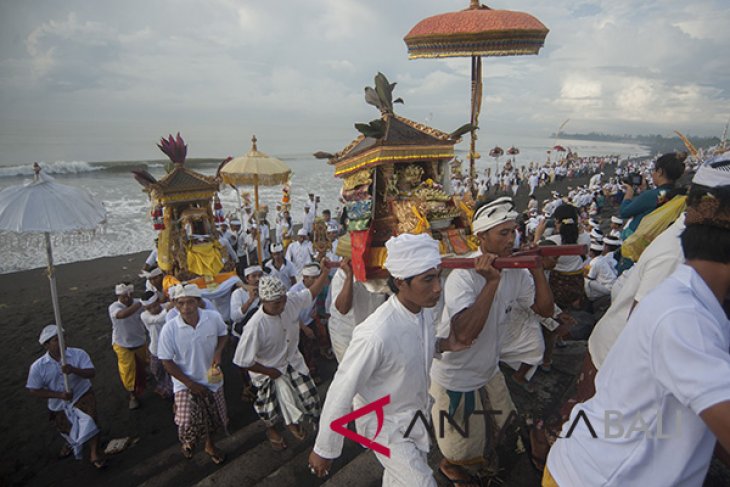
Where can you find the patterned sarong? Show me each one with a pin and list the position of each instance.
(198, 417)
(162, 378)
(267, 403)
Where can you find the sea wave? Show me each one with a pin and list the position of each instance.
(58, 167)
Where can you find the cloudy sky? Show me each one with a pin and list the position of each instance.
(103, 80)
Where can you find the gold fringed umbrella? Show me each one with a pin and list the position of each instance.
(475, 32)
(255, 168)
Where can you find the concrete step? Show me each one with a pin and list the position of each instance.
(364, 470)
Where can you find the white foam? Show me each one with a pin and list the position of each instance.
(58, 167)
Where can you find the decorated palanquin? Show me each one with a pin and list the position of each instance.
(183, 213)
(395, 180)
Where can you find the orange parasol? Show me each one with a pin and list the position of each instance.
(475, 32)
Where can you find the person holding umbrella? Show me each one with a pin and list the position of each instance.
(73, 409)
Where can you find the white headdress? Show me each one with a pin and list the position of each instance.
(410, 255)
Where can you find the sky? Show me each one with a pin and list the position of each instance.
(104, 80)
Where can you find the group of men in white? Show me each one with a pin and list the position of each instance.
(432, 346)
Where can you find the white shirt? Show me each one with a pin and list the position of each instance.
(300, 254)
(570, 263)
(192, 348)
(364, 303)
(285, 274)
(151, 260)
(472, 368)
(45, 373)
(154, 324)
(127, 332)
(390, 354)
(273, 341)
(657, 262)
(230, 252)
(239, 297)
(305, 315)
(603, 270)
(670, 364)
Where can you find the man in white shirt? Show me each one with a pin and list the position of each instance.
(191, 349)
(268, 349)
(390, 355)
(281, 268)
(602, 273)
(128, 341)
(480, 300)
(663, 392)
(73, 412)
(154, 317)
(300, 252)
(350, 304)
(245, 299)
(312, 330)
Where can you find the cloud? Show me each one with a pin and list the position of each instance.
(222, 68)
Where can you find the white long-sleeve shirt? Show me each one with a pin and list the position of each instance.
(390, 354)
(239, 297)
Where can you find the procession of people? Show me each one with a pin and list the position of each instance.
(449, 344)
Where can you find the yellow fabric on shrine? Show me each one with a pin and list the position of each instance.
(204, 259)
(164, 258)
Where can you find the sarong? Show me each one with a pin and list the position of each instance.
(163, 381)
(198, 417)
(567, 288)
(304, 400)
(86, 403)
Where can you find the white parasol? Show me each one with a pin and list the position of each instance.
(45, 206)
(255, 168)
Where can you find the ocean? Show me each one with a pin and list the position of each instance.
(129, 226)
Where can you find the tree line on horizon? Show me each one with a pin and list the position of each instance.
(656, 143)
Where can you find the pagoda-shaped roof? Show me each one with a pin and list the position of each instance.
(404, 141)
(181, 185)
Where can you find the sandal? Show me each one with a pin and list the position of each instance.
(99, 464)
(298, 432)
(277, 444)
(216, 456)
(187, 451)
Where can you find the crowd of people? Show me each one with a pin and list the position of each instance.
(648, 297)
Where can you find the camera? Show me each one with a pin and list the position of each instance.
(633, 178)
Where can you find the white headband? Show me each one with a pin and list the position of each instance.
(153, 273)
(311, 270)
(597, 247)
(185, 291)
(48, 332)
(617, 220)
(613, 241)
(410, 255)
(120, 289)
(302, 232)
(271, 288)
(277, 248)
(147, 302)
(715, 172)
(250, 270)
(492, 214)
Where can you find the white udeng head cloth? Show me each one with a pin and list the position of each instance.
(122, 288)
(275, 248)
(311, 270)
(714, 172)
(410, 255)
(492, 214)
(251, 269)
(271, 288)
(185, 291)
(48, 332)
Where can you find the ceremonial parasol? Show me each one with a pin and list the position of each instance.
(475, 32)
(45, 206)
(496, 152)
(255, 168)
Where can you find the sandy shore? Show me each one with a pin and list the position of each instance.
(28, 441)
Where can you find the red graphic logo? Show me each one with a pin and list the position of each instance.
(339, 425)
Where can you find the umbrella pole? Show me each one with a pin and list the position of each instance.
(476, 101)
(258, 223)
(56, 307)
(243, 236)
